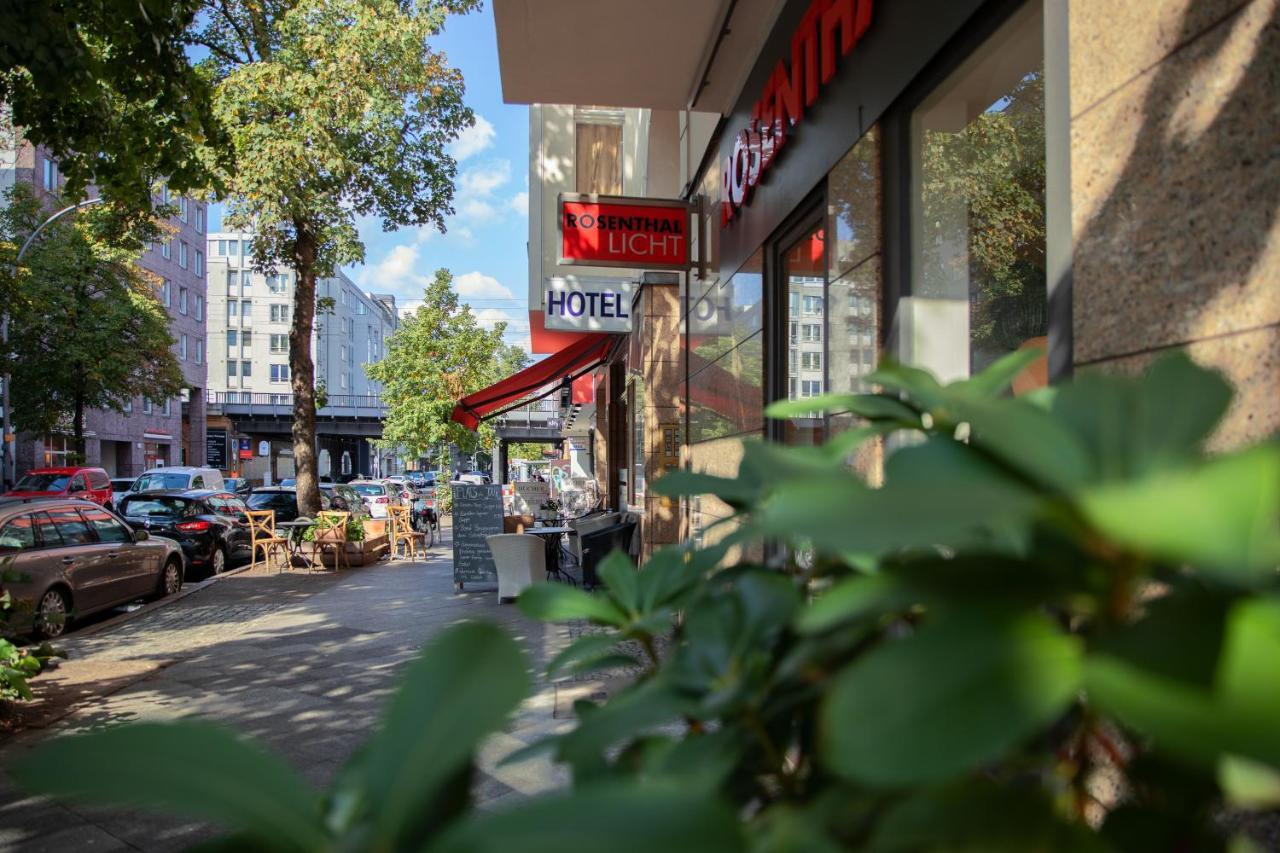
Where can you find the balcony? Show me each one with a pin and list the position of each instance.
(246, 404)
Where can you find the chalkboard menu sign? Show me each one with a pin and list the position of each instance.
(477, 513)
(215, 449)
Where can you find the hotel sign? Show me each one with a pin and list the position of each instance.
(587, 304)
(617, 231)
(829, 29)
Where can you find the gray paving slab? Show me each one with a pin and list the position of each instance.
(303, 663)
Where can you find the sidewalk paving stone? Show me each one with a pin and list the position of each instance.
(302, 662)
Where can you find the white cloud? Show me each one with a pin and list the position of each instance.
(520, 203)
(477, 285)
(396, 273)
(483, 180)
(473, 140)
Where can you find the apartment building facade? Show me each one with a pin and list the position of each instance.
(146, 434)
(250, 313)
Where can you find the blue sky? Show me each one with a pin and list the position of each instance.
(484, 245)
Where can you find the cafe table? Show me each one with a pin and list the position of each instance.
(551, 536)
(293, 532)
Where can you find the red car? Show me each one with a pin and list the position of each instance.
(90, 484)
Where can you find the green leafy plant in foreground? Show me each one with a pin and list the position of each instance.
(1055, 627)
(17, 664)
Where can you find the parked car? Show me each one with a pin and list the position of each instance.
(90, 484)
(210, 526)
(179, 478)
(282, 499)
(377, 495)
(239, 485)
(289, 482)
(344, 499)
(72, 557)
(472, 478)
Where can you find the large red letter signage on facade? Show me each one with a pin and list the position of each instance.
(828, 26)
(614, 231)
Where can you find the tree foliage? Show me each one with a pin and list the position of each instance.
(336, 109)
(106, 86)
(439, 354)
(87, 330)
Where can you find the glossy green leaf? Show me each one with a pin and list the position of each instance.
(1249, 784)
(1222, 516)
(681, 483)
(936, 493)
(960, 693)
(617, 818)
(666, 578)
(869, 406)
(919, 385)
(1033, 443)
(996, 378)
(853, 599)
(621, 578)
(435, 721)
(1178, 405)
(558, 602)
(980, 816)
(190, 767)
(584, 648)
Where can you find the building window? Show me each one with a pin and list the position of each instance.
(231, 368)
(128, 407)
(50, 174)
(811, 332)
(977, 205)
(182, 300)
(199, 307)
(342, 354)
(166, 248)
(246, 340)
(232, 283)
(279, 343)
(276, 282)
(231, 340)
(199, 350)
(598, 160)
(279, 313)
(246, 369)
(182, 347)
(246, 309)
(147, 406)
(199, 269)
(182, 208)
(200, 219)
(811, 360)
(166, 410)
(164, 194)
(343, 381)
(183, 259)
(166, 293)
(279, 373)
(361, 308)
(246, 282)
(810, 387)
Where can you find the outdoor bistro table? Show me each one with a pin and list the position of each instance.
(293, 530)
(551, 536)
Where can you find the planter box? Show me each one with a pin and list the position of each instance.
(375, 527)
(372, 549)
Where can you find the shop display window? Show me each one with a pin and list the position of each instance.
(804, 273)
(978, 206)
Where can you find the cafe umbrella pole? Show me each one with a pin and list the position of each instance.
(10, 456)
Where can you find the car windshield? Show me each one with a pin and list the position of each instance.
(43, 483)
(369, 489)
(159, 506)
(271, 500)
(156, 482)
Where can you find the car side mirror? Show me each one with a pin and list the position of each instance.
(141, 536)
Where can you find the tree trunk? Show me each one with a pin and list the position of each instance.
(302, 371)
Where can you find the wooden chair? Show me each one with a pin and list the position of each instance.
(402, 531)
(332, 534)
(262, 534)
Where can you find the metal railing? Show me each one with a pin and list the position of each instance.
(281, 405)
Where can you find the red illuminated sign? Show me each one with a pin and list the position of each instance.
(829, 28)
(614, 231)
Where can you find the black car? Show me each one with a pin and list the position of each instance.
(240, 485)
(282, 499)
(209, 525)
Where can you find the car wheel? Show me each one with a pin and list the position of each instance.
(51, 614)
(170, 579)
(218, 562)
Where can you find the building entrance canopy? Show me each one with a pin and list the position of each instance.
(538, 380)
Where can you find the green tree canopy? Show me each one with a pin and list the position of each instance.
(107, 87)
(87, 330)
(439, 354)
(336, 109)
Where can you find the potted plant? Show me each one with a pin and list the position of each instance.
(549, 509)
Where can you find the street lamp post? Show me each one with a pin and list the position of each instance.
(10, 456)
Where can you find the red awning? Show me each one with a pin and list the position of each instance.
(576, 359)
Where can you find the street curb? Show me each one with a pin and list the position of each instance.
(155, 605)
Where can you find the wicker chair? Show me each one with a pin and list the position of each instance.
(262, 534)
(331, 535)
(402, 531)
